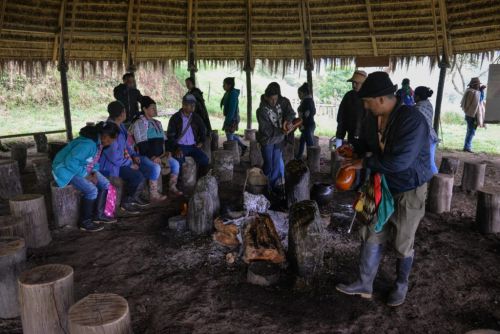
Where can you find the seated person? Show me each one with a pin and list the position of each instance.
(149, 138)
(186, 134)
(77, 164)
(120, 160)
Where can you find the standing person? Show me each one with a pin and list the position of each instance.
(200, 108)
(274, 124)
(129, 96)
(186, 134)
(150, 140)
(471, 105)
(405, 93)
(351, 113)
(120, 160)
(231, 111)
(423, 105)
(77, 164)
(306, 110)
(402, 156)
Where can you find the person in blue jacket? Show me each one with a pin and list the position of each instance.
(121, 160)
(77, 164)
(402, 155)
(231, 111)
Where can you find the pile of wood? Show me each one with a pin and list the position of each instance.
(226, 234)
(261, 241)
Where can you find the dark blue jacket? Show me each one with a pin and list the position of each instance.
(405, 161)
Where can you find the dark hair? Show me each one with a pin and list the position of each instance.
(128, 75)
(271, 90)
(229, 81)
(115, 109)
(190, 79)
(304, 89)
(406, 81)
(275, 87)
(146, 101)
(423, 92)
(102, 128)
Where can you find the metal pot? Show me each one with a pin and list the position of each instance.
(322, 193)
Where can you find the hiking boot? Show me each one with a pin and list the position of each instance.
(398, 294)
(371, 254)
(136, 199)
(172, 185)
(100, 217)
(85, 223)
(154, 195)
(129, 206)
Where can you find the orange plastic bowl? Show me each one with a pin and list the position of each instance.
(345, 179)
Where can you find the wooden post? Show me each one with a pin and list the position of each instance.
(202, 210)
(223, 165)
(335, 163)
(440, 193)
(207, 148)
(305, 24)
(314, 158)
(296, 182)
(439, 96)
(473, 176)
(31, 208)
(10, 179)
(191, 37)
(45, 296)
(215, 140)
(103, 313)
(11, 226)
(12, 263)
(188, 175)
(256, 159)
(449, 165)
(41, 142)
(55, 147)
(65, 205)
(63, 68)
(19, 152)
(250, 134)
(249, 96)
(249, 62)
(43, 173)
(306, 244)
(288, 152)
(488, 210)
(232, 145)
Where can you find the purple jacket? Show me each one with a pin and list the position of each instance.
(117, 154)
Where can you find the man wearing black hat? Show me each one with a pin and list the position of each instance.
(402, 156)
(186, 133)
(128, 95)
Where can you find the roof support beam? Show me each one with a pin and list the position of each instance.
(192, 27)
(372, 27)
(434, 21)
(249, 61)
(305, 24)
(60, 29)
(137, 21)
(443, 15)
(126, 54)
(63, 68)
(73, 15)
(2, 14)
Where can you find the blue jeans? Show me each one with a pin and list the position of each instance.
(149, 169)
(273, 163)
(433, 154)
(471, 131)
(196, 153)
(232, 136)
(88, 189)
(306, 137)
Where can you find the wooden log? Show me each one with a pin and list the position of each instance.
(316, 141)
(257, 182)
(313, 158)
(203, 206)
(188, 175)
(207, 148)
(41, 142)
(488, 209)
(223, 165)
(440, 193)
(19, 152)
(11, 226)
(45, 296)
(43, 173)
(55, 147)
(335, 163)
(226, 234)
(306, 242)
(12, 263)
(256, 159)
(100, 313)
(263, 273)
(296, 182)
(250, 134)
(31, 208)
(10, 180)
(473, 176)
(296, 146)
(288, 153)
(449, 165)
(261, 241)
(232, 145)
(65, 205)
(215, 140)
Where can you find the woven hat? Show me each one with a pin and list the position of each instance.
(358, 76)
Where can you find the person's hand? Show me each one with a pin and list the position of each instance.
(199, 145)
(136, 160)
(352, 164)
(156, 160)
(134, 166)
(178, 154)
(92, 177)
(168, 155)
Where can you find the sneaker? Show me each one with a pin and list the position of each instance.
(90, 226)
(104, 220)
(130, 208)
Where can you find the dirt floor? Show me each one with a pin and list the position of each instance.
(178, 283)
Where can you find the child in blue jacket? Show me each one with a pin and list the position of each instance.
(76, 164)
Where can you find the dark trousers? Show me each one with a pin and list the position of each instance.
(196, 153)
(272, 163)
(306, 137)
(132, 177)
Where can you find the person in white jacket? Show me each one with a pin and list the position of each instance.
(472, 106)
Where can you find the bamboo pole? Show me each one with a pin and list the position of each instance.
(2, 15)
(443, 66)
(63, 68)
(191, 57)
(249, 64)
(128, 38)
(137, 21)
(372, 27)
(305, 24)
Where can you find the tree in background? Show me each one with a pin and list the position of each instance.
(334, 84)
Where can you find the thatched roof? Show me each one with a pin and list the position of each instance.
(97, 30)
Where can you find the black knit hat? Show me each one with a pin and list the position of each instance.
(377, 84)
